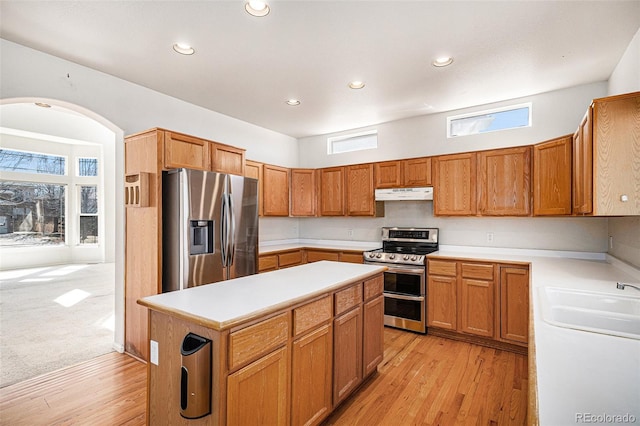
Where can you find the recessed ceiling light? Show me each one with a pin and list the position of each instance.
(293, 102)
(356, 84)
(43, 105)
(443, 62)
(183, 49)
(257, 8)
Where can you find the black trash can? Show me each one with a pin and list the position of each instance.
(195, 383)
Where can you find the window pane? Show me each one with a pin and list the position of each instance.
(490, 121)
(88, 229)
(88, 200)
(358, 142)
(87, 167)
(31, 213)
(29, 162)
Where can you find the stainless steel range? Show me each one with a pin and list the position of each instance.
(404, 252)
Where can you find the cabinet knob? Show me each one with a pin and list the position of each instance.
(624, 198)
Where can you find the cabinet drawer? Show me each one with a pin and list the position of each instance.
(290, 259)
(267, 263)
(440, 267)
(482, 271)
(348, 298)
(258, 339)
(351, 257)
(308, 316)
(317, 255)
(373, 287)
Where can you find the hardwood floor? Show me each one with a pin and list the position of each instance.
(422, 380)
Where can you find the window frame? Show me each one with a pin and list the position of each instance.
(528, 105)
(332, 139)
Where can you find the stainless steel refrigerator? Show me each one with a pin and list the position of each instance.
(210, 228)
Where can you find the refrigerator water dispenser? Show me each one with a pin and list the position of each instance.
(201, 237)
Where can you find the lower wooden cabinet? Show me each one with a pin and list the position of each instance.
(514, 303)
(347, 353)
(441, 302)
(318, 255)
(373, 339)
(311, 376)
(258, 393)
(476, 299)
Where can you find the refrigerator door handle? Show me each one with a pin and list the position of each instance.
(223, 230)
(232, 231)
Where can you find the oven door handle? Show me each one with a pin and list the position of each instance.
(396, 270)
(403, 297)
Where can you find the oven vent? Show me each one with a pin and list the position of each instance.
(404, 194)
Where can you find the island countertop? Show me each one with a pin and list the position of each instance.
(225, 304)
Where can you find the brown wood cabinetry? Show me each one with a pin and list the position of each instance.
(253, 169)
(332, 191)
(514, 304)
(227, 159)
(275, 190)
(505, 182)
(285, 259)
(455, 180)
(373, 325)
(351, 257)
(359, 186)
(552, 162)
(303, 192)
(186, 151)
(318, 255)
(347, 341)
(481, 302)
(583, 167)
(403, 173)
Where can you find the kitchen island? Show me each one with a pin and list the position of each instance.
(283, 347)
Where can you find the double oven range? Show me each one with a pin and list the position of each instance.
(404, 252)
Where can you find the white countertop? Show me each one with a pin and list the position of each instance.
(579, 373)
(227, 303)
(274, 246)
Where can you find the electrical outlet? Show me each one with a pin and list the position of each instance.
(350, 232)
(610, 242)
(489, 237)
(154, 352)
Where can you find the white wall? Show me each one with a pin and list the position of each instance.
(625, 231)
(554, 114)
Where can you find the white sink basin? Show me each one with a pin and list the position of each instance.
(591, 311)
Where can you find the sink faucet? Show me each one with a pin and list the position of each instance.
(621, 286)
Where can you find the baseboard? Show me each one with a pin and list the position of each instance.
(118, 347)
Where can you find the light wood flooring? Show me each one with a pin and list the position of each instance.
(422, 380)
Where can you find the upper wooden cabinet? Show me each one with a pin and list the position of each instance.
(331, 191)
(403, 173)
(455, 180)
(227, 159)
(185, 151)
(505, 182)
(583, 166)
(616, 155)
(303, 192)
(253, 169)
(275, 190)
(359, 183)
(552, 177)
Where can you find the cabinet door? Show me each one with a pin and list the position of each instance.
(253, 169)
(583, 167)
(267, 262)
(514, 304)
(303, 192)
(347, 353)
(373, 331)
(185, 151)
(257, 394)
(351, 257)
(455, 185)
(317, 255)
(505, 185)
(441, 302)
(616, 155)
(417, 172)
(360, 190)
(227, 159)
(311, 377)
(552, 177)
(476, 308)
(331, 182)
(275, 190)
(388, 174)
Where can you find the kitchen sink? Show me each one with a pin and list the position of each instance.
(592, 311)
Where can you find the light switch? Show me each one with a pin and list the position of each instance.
(154, 352)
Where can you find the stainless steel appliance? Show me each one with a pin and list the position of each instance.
(404, 252)
(210, 228)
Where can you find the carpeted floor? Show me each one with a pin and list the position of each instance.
(54, 317)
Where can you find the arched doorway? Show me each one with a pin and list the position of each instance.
(88, 223)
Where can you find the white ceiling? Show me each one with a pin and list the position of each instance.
(247, 67)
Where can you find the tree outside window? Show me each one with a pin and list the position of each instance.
(89, 214)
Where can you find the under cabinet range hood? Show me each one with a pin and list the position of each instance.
(404, 194)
